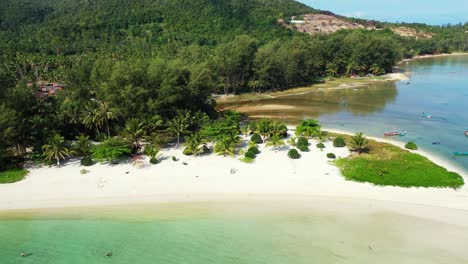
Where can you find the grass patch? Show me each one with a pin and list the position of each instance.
(11, 176)
(388, 165)
(247, 160)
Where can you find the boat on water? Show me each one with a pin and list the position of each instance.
(392, 134)
(425, 115)
(460, 153)
(466, 133)
(403, 133)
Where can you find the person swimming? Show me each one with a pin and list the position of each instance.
(109, 254)
(23, 254)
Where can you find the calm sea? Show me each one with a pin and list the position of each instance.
(237, 233)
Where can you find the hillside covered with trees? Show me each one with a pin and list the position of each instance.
(133, 64)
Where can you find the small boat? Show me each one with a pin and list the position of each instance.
(460, 153)
(466, 133)
(436, 143)
(403, 133)
(391, 134)
(426, 115)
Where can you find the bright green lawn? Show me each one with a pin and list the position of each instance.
(388, 165)
(11, 176)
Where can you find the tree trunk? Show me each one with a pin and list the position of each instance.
(58, 162)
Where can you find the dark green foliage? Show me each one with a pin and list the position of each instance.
(411, 145)
(256, 138)
(303, 148)
(331, 156)
(86, 161)
(339, 142)
(253, 150)
(174, 158)
(110, 150)
(294, 154)
(155, 161)
(320, 146)
(250, 155)
(302, 141)
(302, 144)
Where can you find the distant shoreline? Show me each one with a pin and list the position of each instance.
(419, 57)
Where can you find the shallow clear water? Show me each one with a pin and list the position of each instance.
(228, 233)
(438, 86)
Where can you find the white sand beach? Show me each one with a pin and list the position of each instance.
(214, 178)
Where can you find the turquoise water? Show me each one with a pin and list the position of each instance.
(438, 86)
(227, 233)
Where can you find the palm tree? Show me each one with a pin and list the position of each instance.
(106, 114)
(359, 143)
(264, 129)
(194, 143)
(56, 150)
(307, 128)
(278, 128)
(82, 146)
(152, 151)
(90, 118)
(275, 141)
(224, 147)
(179, 126)
(245, 130)
(321, 135)
(153, 124)
(292, 141)
(134, 130)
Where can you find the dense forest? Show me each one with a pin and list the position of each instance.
(146, 65)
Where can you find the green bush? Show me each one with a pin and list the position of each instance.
(11, 176)
(187, 152)
(174, 158)
(86, 161)
(253, 150)
(256, 138)
(247, 160)
(411, 145)
(303, 148)
(339, 142)
(302, 141)
(331, 156)
(250, 155)
(293, 154)
(154, 161)
(320, 146)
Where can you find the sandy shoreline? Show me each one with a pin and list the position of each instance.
(434, 56)
(209, 179)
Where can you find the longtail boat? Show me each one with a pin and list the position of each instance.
(460, 153)
(403, 133)
(391, 134)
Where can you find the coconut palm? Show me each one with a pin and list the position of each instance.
(90, 118)
(179, 125)
(224, 147)
(153, 124)
(275, 141)
(359, 143)
(307, 128)
(278, 128)
(152, 151)
(106, 114)
(321, 136)
(133, 131)
(55, 149)
(82, 146)
(292, 141)
(245, 130)
(264, 129)
(194, 143)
